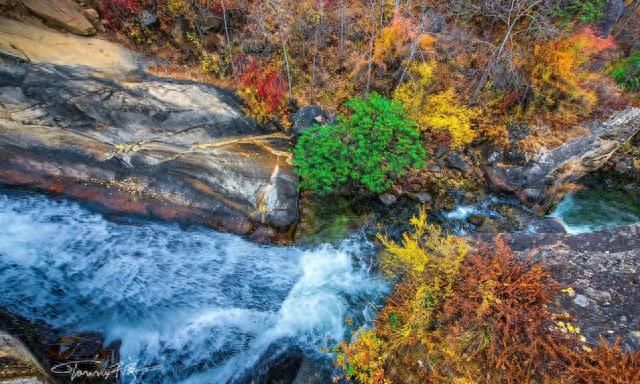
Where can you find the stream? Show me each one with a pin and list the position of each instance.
(203, 306)
(200, 305)
(601, 203)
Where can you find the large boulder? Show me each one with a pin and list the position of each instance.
(538, 181)
(308, 116)
(78, 116)
(62, 13)
(169, 149)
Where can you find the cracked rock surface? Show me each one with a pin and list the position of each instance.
(168, 149)
(602, 268)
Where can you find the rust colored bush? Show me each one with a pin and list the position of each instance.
(499, 313)
(477, 319)
(605, 364)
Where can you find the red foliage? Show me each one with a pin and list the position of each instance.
(266, 81)
(113, 11)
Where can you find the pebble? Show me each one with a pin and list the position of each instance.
(388, 199)
(581, 300)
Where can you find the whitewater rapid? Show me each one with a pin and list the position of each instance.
(200, 304)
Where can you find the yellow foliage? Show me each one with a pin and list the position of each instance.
(255, 107)
(439, 112)
(412, 94)
(443, 112)
(424, 251)
(424, 245)
(429, 262)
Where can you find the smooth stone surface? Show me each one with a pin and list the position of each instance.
(43, 45)
(61, 13)
(175, 150)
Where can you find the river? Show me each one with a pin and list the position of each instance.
(199, 304)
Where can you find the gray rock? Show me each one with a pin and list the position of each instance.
(602, 296)
(279, 364)
(306, 117)
(422, 197)
(149, 17)
(456, 161)
(388, 198)
(581, 300)
(537, 181)
(170, 149)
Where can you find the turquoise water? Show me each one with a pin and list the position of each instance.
(599, 205)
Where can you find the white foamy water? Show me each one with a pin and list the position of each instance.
(202, 304)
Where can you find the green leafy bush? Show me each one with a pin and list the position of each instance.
(587, 11)
(627, 73)
(367, 148)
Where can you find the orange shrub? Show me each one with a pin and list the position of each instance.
(558, 76)
(477, 319)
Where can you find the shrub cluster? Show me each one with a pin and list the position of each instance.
(460, 317)
(375, 143)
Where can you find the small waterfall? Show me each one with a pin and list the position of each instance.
(200, 304)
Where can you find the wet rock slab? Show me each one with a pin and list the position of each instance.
(169, 149)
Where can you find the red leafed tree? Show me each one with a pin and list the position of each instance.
(113, 11)
(264, 89)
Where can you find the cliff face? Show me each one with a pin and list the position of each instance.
(169, 149)
(539, 180)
